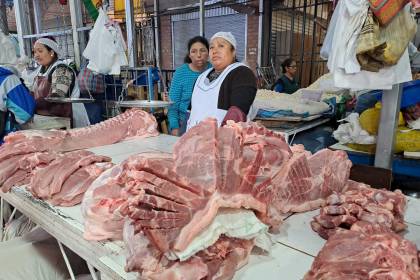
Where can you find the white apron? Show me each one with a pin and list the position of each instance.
(206, 96)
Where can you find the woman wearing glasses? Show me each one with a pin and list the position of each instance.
(287, 83)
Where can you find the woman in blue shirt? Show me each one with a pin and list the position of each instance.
(182, 84)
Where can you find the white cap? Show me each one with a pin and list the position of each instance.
(50, 43)
(8, 52)
(227, 36)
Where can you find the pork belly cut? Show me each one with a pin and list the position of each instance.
(49, 180)
(75, 186)
(23, 167)
(132, 123)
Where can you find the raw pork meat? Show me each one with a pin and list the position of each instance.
(49, 180)
(363, 204)
(171, 200)
(75, 186)
(376, 256)
(22, 167)
(219, 261)
(131, 123)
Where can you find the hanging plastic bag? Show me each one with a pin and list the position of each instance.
(105, 49)
(378, 46)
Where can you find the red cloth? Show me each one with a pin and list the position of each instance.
(385, 10)
(234, 114)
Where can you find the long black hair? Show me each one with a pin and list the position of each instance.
(286, 63)
(192, 41)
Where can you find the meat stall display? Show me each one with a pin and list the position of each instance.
(169, 203)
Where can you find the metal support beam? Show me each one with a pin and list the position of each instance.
(21, 26)
(260, 26)
(202, 15)
(391, 101)
(75, 21)
(131, 33)
(157, 39)
(37, 16)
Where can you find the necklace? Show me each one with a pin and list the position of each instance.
(213, 75)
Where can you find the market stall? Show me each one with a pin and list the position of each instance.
(291, 256)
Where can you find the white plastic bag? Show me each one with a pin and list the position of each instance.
(105, 49)
(352, 132)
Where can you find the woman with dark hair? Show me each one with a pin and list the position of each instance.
(227, 90)
(54, 78)
(287, 83)
(196, 61)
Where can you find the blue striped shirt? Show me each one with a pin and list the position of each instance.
(180, 93)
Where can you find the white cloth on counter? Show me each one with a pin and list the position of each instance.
(350, 16)
(352, 132)
(106, 48)
(273, 101)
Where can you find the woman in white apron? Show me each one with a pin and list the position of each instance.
(226, 91)
(55, 78)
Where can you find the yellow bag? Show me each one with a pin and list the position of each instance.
(404, 142)
(383, 46)
(369, 119)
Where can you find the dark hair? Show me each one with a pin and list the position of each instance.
(286, 63)
(192, 41)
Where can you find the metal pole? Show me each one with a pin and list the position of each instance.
(260, 23)
(157, 41)
(302, 42)
(391, 101)
(131, 33)
(21, 24)
(66, 260)
(313, 41)
(202, 18)
(37, 16)
(74, 26)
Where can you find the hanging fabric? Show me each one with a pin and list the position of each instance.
(91, 9)
(386, 10)
(379, 46)
(106, 47)
(342, 60)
